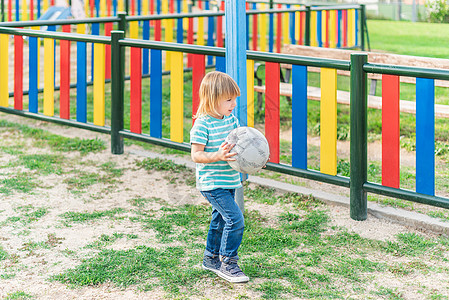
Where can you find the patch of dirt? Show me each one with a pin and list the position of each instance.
(68, 243)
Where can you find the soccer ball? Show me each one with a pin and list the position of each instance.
(251, 147)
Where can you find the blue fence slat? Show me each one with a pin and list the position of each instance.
(114, 4)
(33, 89)
(271, 33)
(338, 28)
(81, 86)
(210, 37)
(220, 64)
(95, 31)
(319, 29)
(180, 31)
(156, 94)
(299, 119)
(97, 8)
(425, 136)
(18, 10)
(247, 32)
(292, 26)
(38, 9)
(356, 29)
(146, 52)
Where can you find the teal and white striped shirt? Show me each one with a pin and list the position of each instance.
(212, 132)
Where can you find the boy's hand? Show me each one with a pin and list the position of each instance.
(265, 165)
(223, 152)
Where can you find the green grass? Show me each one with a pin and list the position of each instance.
(19, 295)
(408, 38)
(297, 255)
(3, 254)
(54, 141)
(175, 173)
(19, 182)
(43, 163)
(82, 217)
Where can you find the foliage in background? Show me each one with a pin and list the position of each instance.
(437, 11)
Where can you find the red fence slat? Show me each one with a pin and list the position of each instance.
(136, 91)
(198, 72)
(272, 116)
(64, 93)
(390, 131)
(255, 32)
(279, 31)
(107, 32)
(18, 72)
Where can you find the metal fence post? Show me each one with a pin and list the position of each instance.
(122, 24)
(358, 143)
(117, 91)
(307, 29)
(362, 26)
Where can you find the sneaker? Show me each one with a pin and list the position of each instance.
(231, 272)
(211, 263)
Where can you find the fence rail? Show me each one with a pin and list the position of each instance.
(131, 108)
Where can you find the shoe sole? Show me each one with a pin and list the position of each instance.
(232, 279)
(209, 269)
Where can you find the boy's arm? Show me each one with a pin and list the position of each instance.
(200, 156)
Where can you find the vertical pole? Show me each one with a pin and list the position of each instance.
(122, 23)
(358, 146)
(235, 15)
(307, 29)
(362, 26)
(117, 91)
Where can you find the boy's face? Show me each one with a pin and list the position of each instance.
(226, 106)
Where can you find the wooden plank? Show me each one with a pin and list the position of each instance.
(390, 131)
(425, 136)
(314, 93)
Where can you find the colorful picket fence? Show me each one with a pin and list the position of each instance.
(26, 10)
(425, 133)
(84, 104)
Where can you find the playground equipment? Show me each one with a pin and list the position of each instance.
(138, 118)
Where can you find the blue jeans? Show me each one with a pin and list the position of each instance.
(226, 227)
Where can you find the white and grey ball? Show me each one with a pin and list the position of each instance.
(251, 147)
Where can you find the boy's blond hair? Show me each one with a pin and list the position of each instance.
(215, 86)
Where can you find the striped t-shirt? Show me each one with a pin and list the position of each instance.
(212, 132)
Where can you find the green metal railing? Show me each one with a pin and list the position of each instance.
(358, 66)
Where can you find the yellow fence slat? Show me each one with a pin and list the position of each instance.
(4, 66)
(49, 77)
(297, 24)
(24, 11)
(313, 35)
(145, 7)
(328, 121)
(263, 22)
(332, 28)
(121, 5)
(286, 28)
(250, 92)
(177, 97)
(200, 34)
(351, 27)
(185, 9)
(134, 30)
(103, 9)
(99, 77)
(168, 38)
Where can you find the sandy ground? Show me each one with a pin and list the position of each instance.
(34, 267)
